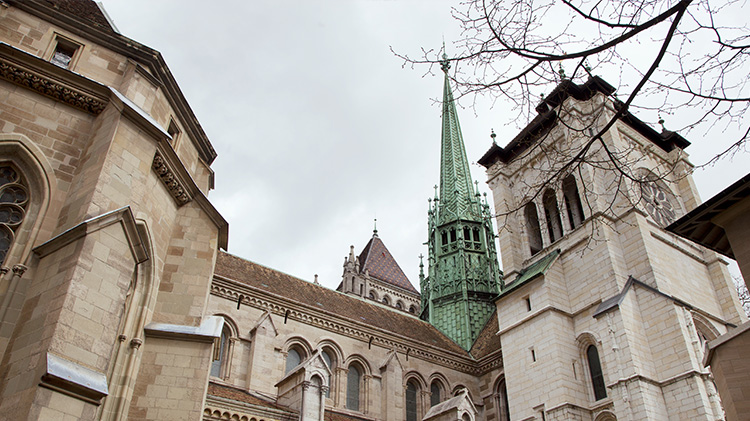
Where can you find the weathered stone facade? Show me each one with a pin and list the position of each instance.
(116, 301)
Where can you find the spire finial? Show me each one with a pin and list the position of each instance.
(493, 135)
(445, 63)
(375, 228)
(661, 122)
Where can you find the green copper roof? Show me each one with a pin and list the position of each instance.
(456, 192)
(535, 269)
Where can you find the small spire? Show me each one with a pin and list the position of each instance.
(316, 280)
(493, 135)
(421, 266)
(476, 186)
(445, 64)
(561, 72)
(375, 228)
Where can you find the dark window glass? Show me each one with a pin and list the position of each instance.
(330, 361)
(502, 402)
(597, 377)
(14, 199)
(411, 402)
(434, 394)
(293, 358)
(352, 388)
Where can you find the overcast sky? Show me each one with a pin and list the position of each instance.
(318, 127)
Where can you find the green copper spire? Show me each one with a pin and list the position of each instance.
(456, 191)
(463, 273)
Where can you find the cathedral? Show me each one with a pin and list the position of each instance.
(119, 300)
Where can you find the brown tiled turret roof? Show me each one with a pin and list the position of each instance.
(328, 300)
(376, 259)
(488, 341)
(83, 9)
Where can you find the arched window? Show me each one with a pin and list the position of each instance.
(372, 295)
(465, 417)
(221, 348)
(503, 409)
(552, 215)
(353, 383)
(572, 202)
(597, 376)
(532, 228)
(412, 309)
(399, 305)
(412, 390)
(330, 359)
(14, 198)
(435, 393)
(386, 301)
(293, 358)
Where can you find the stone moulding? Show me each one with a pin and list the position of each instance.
(229, 289)
(50, 88)
(75, 380)
(173, 184)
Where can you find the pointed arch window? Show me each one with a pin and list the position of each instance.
(595, 369)
(412, 391)
(353, 383)
(532, 228)
(14, 198)
(572, 202)
(552, 215)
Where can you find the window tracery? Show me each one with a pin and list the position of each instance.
(14, 198)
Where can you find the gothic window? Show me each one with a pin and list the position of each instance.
(444, 238)
(552, 215)
(597, 376)
(412, 390)
(532, 228)
(453, 235)
(435, 393)
(503, 409)
(330, 359)
(572, 202)
(221, 351)
(353, 385)
(14, 198)
(293, 358)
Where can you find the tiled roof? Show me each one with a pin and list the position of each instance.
(84, 9)
(237, 394)
(488, 341)
(327, 300)
(378, 260)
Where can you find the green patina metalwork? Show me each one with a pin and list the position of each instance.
(463, 272)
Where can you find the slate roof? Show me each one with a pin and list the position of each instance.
(87, 10)
(334, 302)
(378, 260)
(487, 341)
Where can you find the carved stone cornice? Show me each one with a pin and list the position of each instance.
(51, 88)
(173, 184)
(232, 290)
